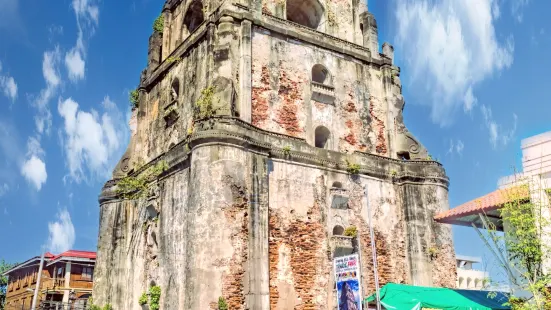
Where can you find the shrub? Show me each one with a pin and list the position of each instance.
(159, 24)
(351, 231)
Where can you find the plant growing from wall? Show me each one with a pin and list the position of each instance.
(154, 297)
(172, 59)
(393, 173)
(143, 299)
(107, 307)
(352, 168)
(433, 252)
(519, 249)
(159, 24)
(351, 231)
(331, 17)
(287, 150)
(222, 305)
(135, 187)
(134, 97)
(204, 107)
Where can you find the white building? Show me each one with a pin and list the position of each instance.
(468, 277)
(484, 211)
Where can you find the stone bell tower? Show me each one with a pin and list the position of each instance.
(259, 126)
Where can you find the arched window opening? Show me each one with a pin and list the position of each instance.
(321, 75)
(476, 283)
(194, 16)
(337, 184)
(338, 230)
(469, 280)
(461, 280)
(175, 90)
(305, 12)
(322, 137)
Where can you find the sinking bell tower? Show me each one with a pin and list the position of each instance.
(261, 129)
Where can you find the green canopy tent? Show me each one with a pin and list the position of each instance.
(408, 297)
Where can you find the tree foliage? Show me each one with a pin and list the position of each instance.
(520, 249)
(133, 97)
(159, 24)
(4, 266)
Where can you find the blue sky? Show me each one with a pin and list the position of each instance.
(473, 74)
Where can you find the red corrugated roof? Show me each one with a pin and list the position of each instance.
(48, 255)
(76, 254)
(489, 202)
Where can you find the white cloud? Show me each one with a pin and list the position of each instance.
(34, 167)
(517, 7)
(50, 71)
(61, 233)
(469, 101)
(449, 47)
(459, 147)
(8, 85)
(498, 136)
(34, 170)
(87, 15)
(456, 147)
(91, 143)
(75, 65)
(4, 188)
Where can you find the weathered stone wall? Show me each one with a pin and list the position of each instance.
(136, 251)
(190, 73)
(249, 207)
(339, 18)
(282, 95)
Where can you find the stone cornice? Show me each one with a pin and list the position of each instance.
(272, 23)
(233, 131)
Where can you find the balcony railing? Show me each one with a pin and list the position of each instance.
(323, 93)
(54, 283)
(342, 245)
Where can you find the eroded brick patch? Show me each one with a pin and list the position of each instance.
(289, 93)
(444, 272)
(351, 139)
(305, 239)
(260, 105)
(236, 216)
(380, 147)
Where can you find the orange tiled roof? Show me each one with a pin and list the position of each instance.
(491, 201)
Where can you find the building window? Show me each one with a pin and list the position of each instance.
(59, 273)
(321, 139)
(321, 75)
(194, 16)
(87, 273)
(338, 230)
(305, 12)
(174, 90)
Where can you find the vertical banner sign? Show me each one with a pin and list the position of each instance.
(347, 277)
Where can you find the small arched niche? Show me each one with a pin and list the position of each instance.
(174, 89)
(321, 75)
(194, 16)
(321, 139)
(338, 230)
(337, 184)
(305, 12)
